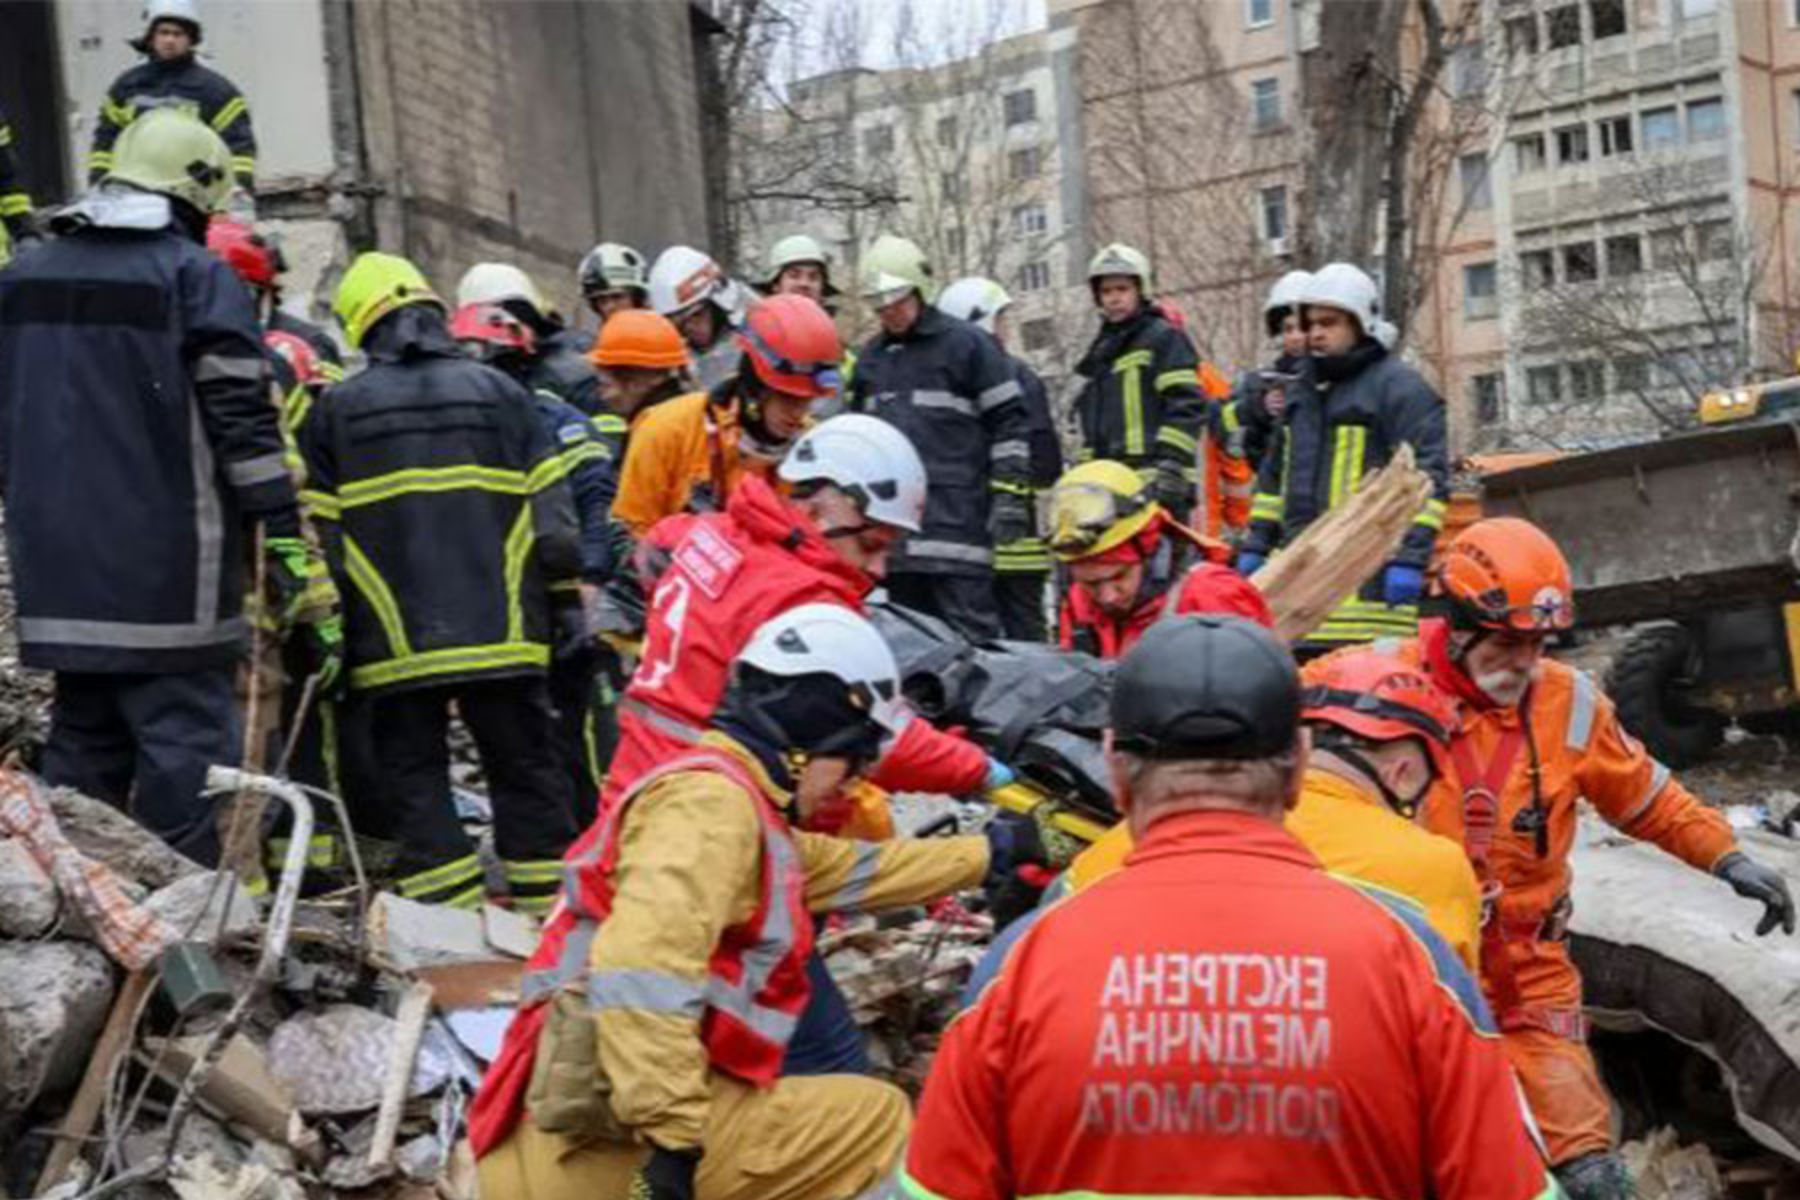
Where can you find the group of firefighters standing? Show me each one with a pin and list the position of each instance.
(636, 566)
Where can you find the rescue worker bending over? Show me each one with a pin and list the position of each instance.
(169, 77)
(613, 278)
(447, 521)
(1128, 563)
(644, 1059)
(1251, 421)
(692, 291)
(954, 394)
(1142, 404)
(558, 365)
(1101, 1061)
(259, 263)
(1021, 567)
(690, 454)
(1534, 737)
(1351, 410)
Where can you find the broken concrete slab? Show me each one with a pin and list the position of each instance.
(511, 933)
(28, 899)
(241, 1087)
(409, 935)
(54, 997)
(102, 832)
(194, 904)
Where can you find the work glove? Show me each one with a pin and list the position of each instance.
(1754, 881)
(998, 775)
(1009, 520)
(320, 645)
(574, 642)
(290, 562)
(665, 1175)
(1402, 584)
(1249, 562)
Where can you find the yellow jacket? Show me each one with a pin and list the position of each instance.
(675, 447)
(1353, 833)
(690, 861)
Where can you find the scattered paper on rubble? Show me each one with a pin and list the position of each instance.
(1666, 1170)
(409, 936)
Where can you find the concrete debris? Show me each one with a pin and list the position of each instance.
(1667, 1170)
(28, 900)
(102, 832)
(54, 997)
(407, 935)
(335, 1060)
(241, 1088)
(195, 904)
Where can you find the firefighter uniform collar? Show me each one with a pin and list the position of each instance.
(931, 322)
(777, 795)
(1220, 831)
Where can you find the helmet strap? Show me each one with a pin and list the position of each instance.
(1343, 746)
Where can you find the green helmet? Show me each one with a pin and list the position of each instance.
(893, 266)
(1120, 259)
(174, 153)
(375, 285)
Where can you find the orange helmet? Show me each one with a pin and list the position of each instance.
(792, 345)
(1377, 697)
(638, 337)
(1504, 573)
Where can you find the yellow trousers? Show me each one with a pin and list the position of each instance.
(821, 1137)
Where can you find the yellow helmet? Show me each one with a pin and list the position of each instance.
(175, 154)
(375, 285)
(1096, 507)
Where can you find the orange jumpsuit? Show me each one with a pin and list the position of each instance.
(683, 456)
(1227, 481)
(1519, 845)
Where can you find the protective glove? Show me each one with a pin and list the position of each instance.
(320, 645)
(1249, 562)
(1402, 584)
(665, 1175)
(574, 641)
(998, 775)
(1752, 880)
(290, 560)
(1009, 520)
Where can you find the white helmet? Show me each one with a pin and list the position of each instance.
(682, 277)
(611, 267)
(496, 283)
(974, 299)
(1283, 296)
(867, 458)
(798, 248)
(832, 641)
(1348, 288)
(184, 11)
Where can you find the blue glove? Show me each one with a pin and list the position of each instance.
(998, 775)
(1402, 584)
(1249, 562)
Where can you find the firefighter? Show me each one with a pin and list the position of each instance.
(260, 264)
(613, 278)
(954, 394)
(558, 366)
(689, 454)
(1534, 737)
(1222, 1017)
(642, 363)
(799, 266)
(448, 523)
(15, 201)
(1250, 422)
(1141, 402)
(125, 547)
(693, 292)
(1021, 568)
(1128, 562)
(169, 77)
(645, 1056)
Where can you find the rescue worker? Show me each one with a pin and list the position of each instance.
(558, 366)
(1141, 402)
(1102, 1060)
(1128, 562)
(693, 292)
(1022, 567)
(15, 201)
(1350, 411)
(169, 77)
(642, 362)
(613, 278)
(447, 521)
(125, 549)
(1250, 422)
(259, 263)
(953, 393)
(1535, 736)
(645, 1055)
(799, 266)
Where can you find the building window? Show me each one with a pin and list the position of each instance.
(1630, 374)
(1489, 391)
(1528, 153)
(1571, 144)
(1615, 136)
(1698, 8)
(1661, 128)
(1022, 164)
(1608, 17)
(946, 131)
(1543, 385)
(1272, 201)
(1265, 103)
(1537, 270)
(1034, 277)
(955, 241)
(1587, 380)
(1021, 106)
(1030, 219)
(1579, 263)
(1624, 255)
(1480, 297)
(1521, 37)
(1039, 334)
(878, 141)
(1563, 26)
(950, 187)
(1667, 249)
(1712, 240)
(1797, 108)
(1477, 188)
(1706, 120)
(1468, 70)
(1258, 13)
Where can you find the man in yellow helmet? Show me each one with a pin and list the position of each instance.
(443, 508)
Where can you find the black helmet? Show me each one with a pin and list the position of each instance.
(1206, 687)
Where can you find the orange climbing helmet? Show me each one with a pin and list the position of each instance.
(638, 337)
(1505, 573)
(1377, 697)
(792, 346)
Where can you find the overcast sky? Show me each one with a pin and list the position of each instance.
(901, 32)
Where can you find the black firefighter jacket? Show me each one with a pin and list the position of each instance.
(560, 368)
(136, 434)
(1142, 404)
(442, 506)
(181, 83)
(951, 390)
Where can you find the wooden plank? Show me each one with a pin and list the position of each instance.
(415, 1007)
(115, 1040)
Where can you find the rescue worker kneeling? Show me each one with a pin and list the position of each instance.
(655, 1013)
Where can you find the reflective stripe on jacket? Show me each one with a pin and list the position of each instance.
(15, 201)
(1142, 404)
(181, 83)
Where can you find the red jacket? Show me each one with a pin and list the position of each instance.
(1222, 1018)
(728, 573)
(1206, 588)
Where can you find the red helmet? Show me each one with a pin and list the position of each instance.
(298, 353)
(792, 345)
(496, 330)
(1504, 573)
(245, 251)
(1376, 696)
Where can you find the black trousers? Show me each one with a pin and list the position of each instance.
(965, 601)
(1020, 598)
(143, 743)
